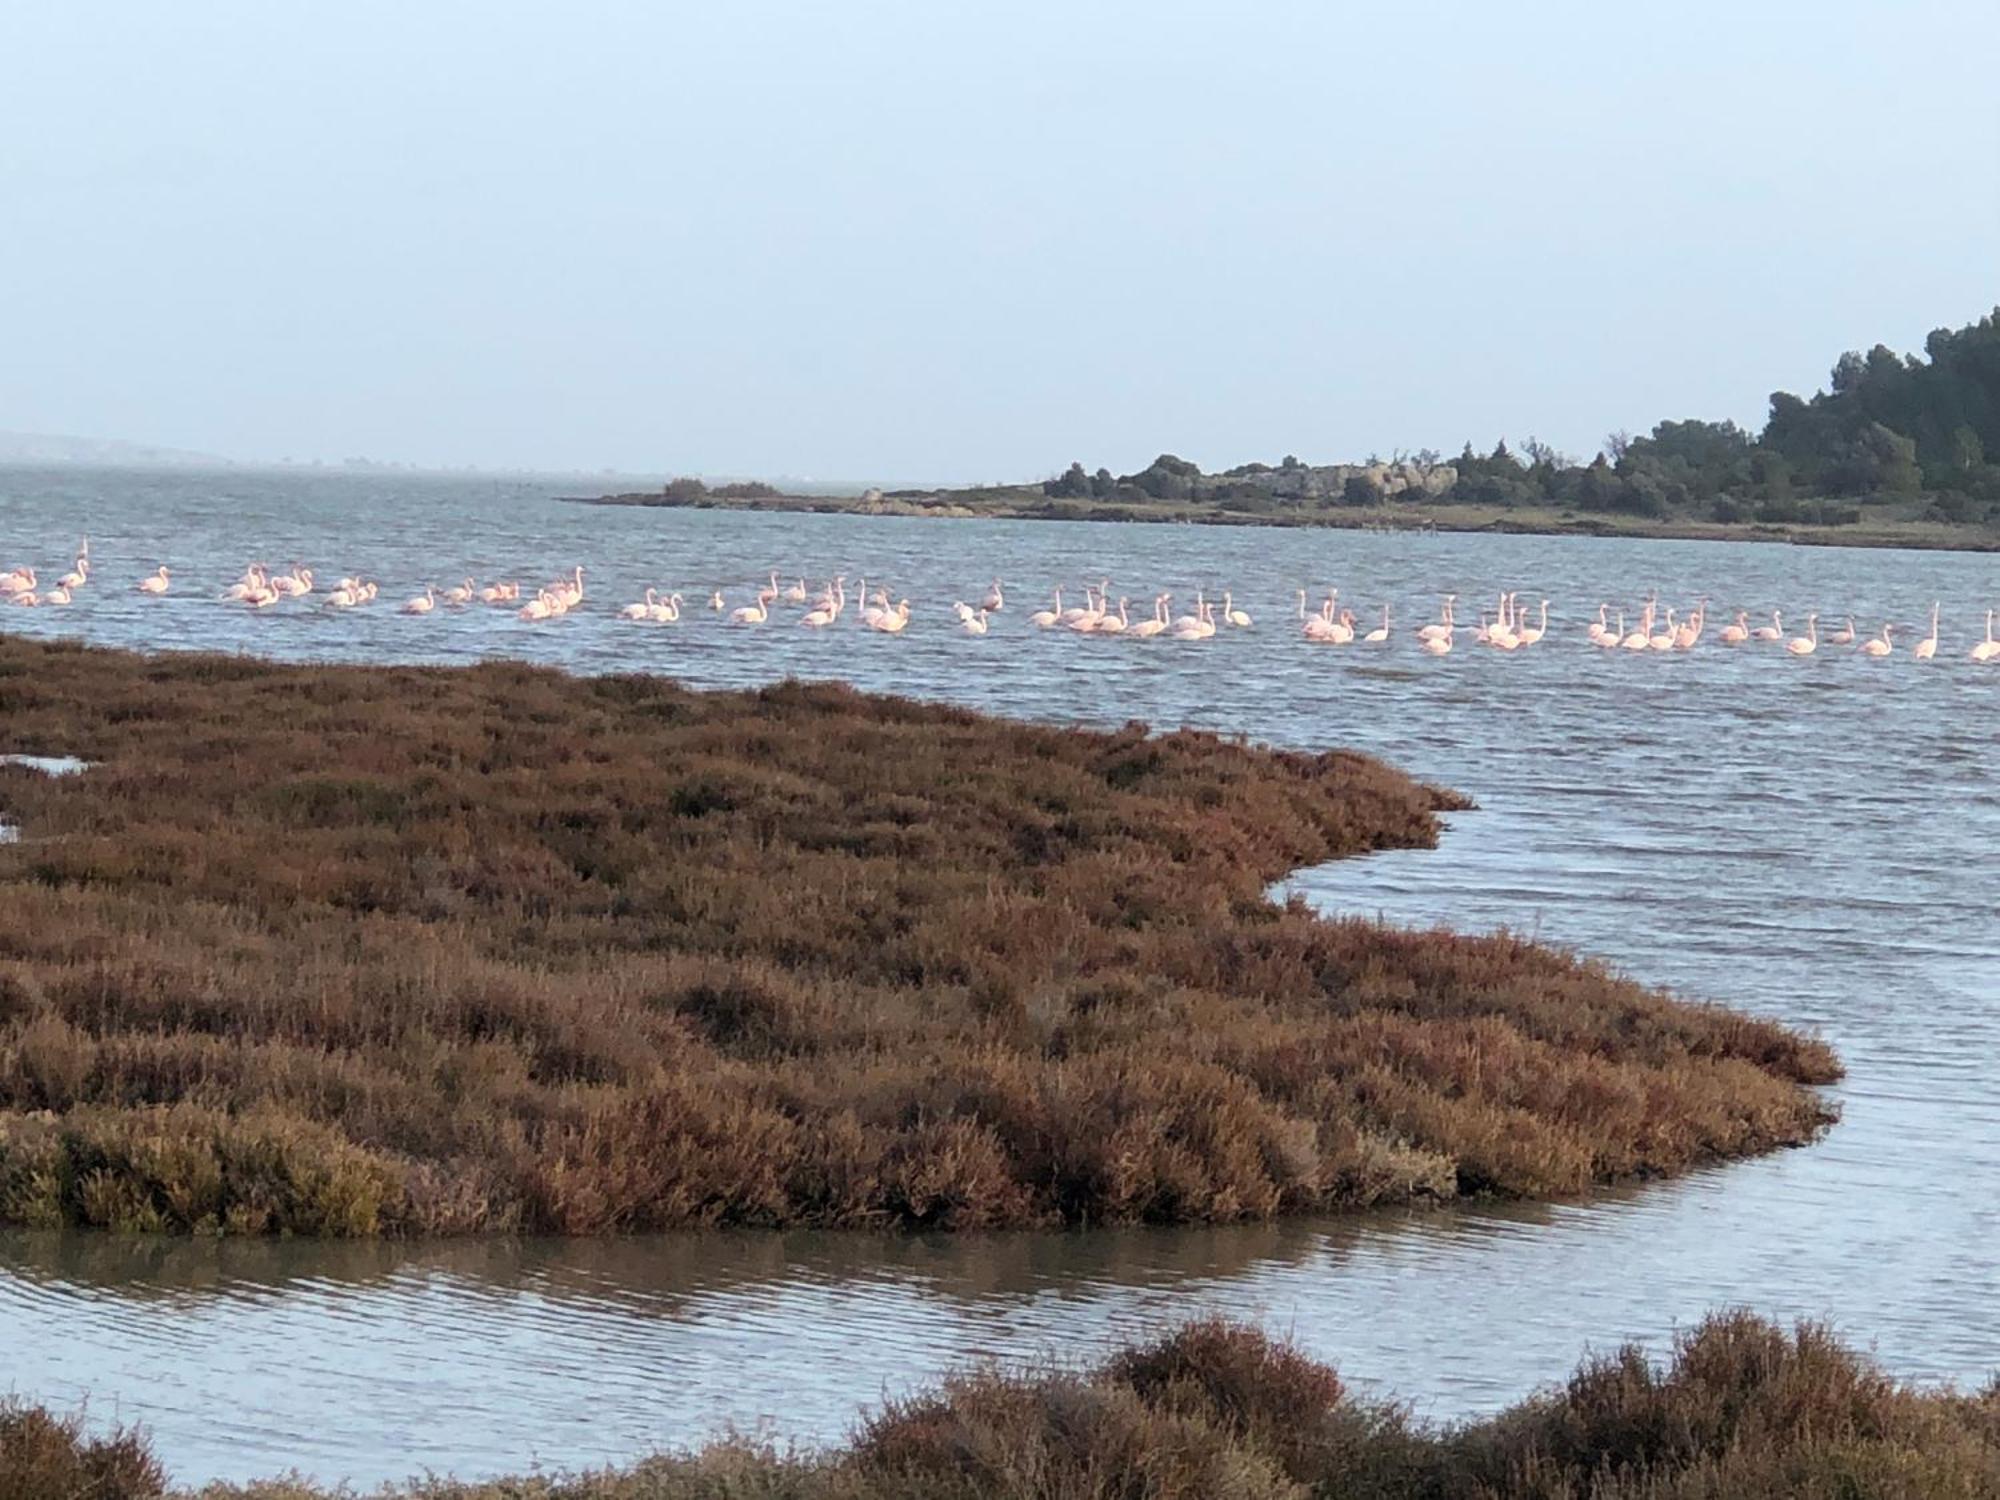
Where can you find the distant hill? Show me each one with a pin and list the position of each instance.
(39, 448)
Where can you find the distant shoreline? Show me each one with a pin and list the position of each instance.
(1018, 505)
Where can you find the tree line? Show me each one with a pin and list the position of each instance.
(1917, 432)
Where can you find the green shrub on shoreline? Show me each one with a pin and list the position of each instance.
(349, 951)
(1213, 1411)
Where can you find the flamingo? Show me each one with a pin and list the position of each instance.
(892, 621)
(1926, 648)
(1775, 631)
(975, 624)
(1989, 648)
(1844, 636)
(796, 594)
(1147, 629)
(1599, 627)
(460, 595)
(345, 596)
(716, 601)
(1611, 640)
(60, 594)
(1113, 624)
(1379, 636)
(541, 607)
(668, 610)
(1443, 627)
(641, 611)
(1737, 633)
(423, 604)
(1642, 638)
(495, 593)
(754, 614)
(1529, 634)
(77, 577)
(1805, 645)
(1663, 640)
(1232, 614)
(157, 583)
(1438, 645)
(1878, 646)
(1048, 617)
(995, 600)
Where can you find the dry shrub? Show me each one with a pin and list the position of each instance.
(1742, 1411)
(344, 950)
(44, 1457)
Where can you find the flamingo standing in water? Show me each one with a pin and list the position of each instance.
(1926, 648)
(1642, 638)
(1046, 618)
(1379, 636)
(1989, 648)
(1843, 636)
(1775, 631)
(755, 614)
(423, 604)
(1147, 629)
(1443, 628)
(892, 621)
(974, 624)
(1438, 645)
(641, 611)
(541, 607)
(1737, 633)
(1114, 624)
(459, 595)
(1805, 645)
(995, 600)
(1233, 615)
(829, 607)
(796, 594)
(156, 583)
(1529, 634)
(1878, 646)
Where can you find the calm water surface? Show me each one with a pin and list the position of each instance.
(1808, 840)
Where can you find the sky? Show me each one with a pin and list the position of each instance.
(952, 240)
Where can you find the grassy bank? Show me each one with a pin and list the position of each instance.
(1879, 527)
(347, 951)
(1742, 1409)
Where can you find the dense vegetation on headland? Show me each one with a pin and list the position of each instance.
(1902, 450)
(1743, 1410)
(348, 950)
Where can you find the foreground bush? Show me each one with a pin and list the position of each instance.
(1216, 1412)
(340, 951)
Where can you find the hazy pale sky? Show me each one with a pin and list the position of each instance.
(920, 238)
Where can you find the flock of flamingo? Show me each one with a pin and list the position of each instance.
(1505, 626)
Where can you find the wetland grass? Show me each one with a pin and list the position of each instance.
(1742, 1409)
(362, 950)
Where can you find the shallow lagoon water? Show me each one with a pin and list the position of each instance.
(1808, 840)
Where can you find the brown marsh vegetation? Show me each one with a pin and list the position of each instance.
(1742, 1410)
(346, 951)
